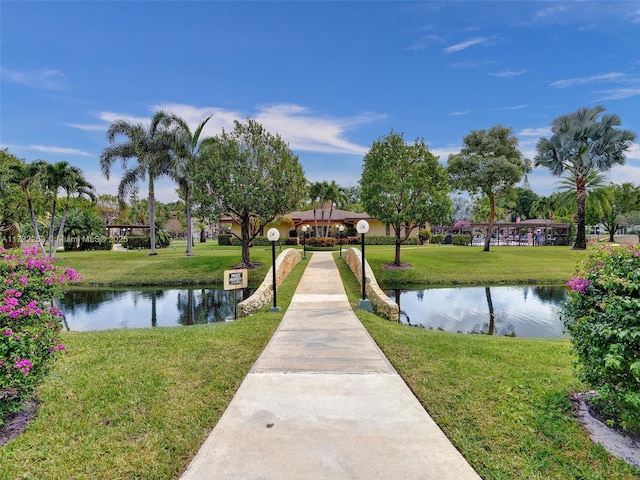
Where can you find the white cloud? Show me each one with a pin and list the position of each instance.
(551, 11)
(57, 150)
(46, 79)
(306, 131)
(509, 73)
(535, 132)
(605, 77)
(618, 93)
(464, 45)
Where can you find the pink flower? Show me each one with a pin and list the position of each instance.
(23, 365)
(578, 284)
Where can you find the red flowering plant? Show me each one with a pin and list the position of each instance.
(29, 323)
(602, 315)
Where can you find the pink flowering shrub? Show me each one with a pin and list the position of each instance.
(603, 317)
(29, 323)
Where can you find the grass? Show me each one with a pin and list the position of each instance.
(138, 403)
(170, 267)
(431, 265)
(503, 402)
(445, 264)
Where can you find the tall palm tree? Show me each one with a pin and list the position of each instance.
(186, 149)
(76, 184)
(582, 144)
(150, 146)
(62, 175)
(26, 176)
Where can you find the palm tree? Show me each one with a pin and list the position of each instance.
(596, 201)
(581, 144)
(26, 177)
(186, 148)
(315, 195)
(334, 194)
(76, 184)
(62, 175)
(150, 146)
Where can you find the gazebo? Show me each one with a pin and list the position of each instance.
(536, 231)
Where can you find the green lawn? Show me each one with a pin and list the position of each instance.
(431, 265)
(139, 403)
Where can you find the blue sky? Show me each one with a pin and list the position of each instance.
(329, 77)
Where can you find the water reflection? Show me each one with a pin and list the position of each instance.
(107, 309)
(522, 311)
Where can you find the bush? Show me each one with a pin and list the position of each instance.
(322, 242)
(29, 325)
(224, 239)
(437, 238)
(461, 240)
(603, 317)
(424, 235)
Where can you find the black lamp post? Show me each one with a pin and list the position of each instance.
(362, 227)
(273, 234)
(304, 241)
(341, 230)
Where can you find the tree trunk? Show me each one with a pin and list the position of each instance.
(34, 225)
(581, 235)
(492, 217)
(187, 210)
(246, 255)
(611, 234)
(52, 252)
(152, 217)
(398, 243)
(61, 228)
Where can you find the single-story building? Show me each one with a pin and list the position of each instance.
(317, 221)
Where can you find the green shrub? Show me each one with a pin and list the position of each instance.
(424, 235)
(461, 240)
(224, 239)
(322, 242)
(603, 317)
(437, 238)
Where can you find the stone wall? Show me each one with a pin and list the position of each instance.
(264, 294)
(382, 304)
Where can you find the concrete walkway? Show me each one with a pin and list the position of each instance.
(323, 402)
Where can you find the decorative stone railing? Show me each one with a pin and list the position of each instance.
(264, 294)
(382, 304)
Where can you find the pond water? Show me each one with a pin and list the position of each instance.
(107, 309)
(516, 311)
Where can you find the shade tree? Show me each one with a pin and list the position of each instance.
(489, 164)
(250, 175)
(404, 186)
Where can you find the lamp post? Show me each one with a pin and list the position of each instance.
(304, 241)
(273, 234)
(341, 230)
(362, 227)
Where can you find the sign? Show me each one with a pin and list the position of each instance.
(235, 279)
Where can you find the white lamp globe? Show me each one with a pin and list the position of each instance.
(273, 234)
(341, 228)
(304, 229)
(362, 226)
